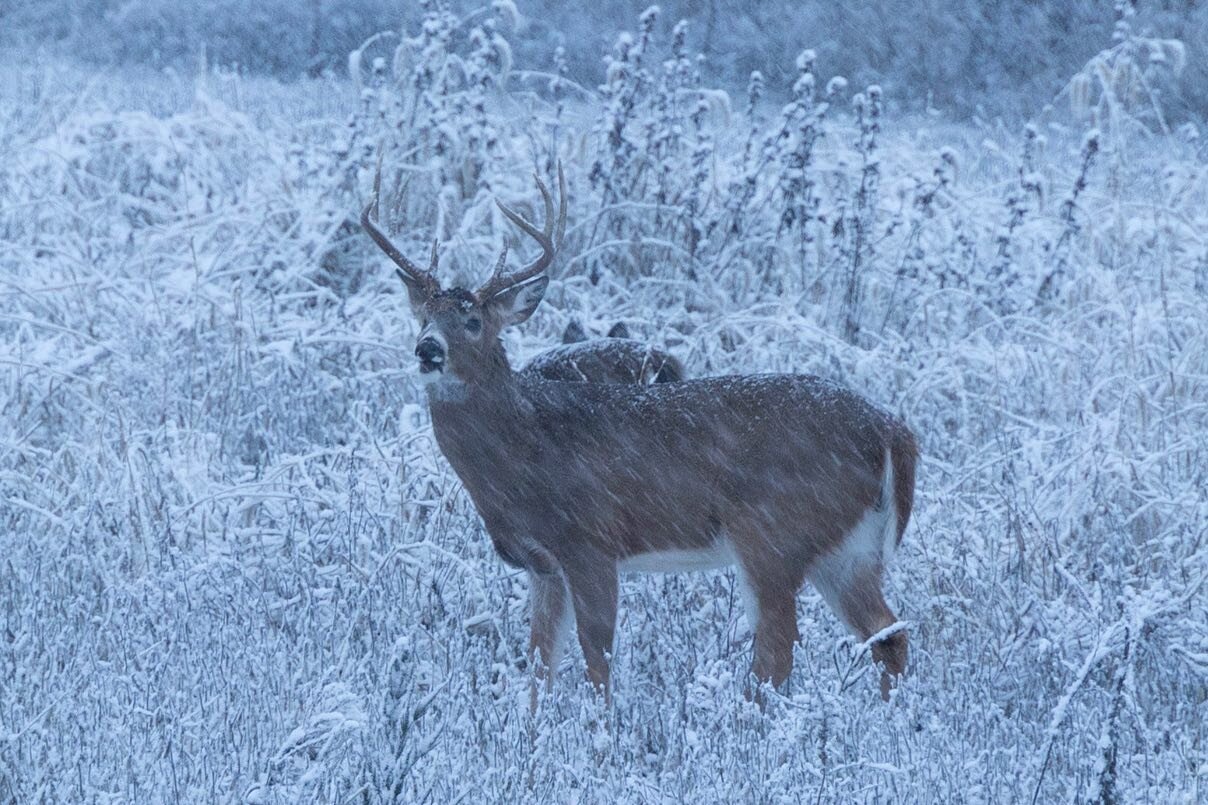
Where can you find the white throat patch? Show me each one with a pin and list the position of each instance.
(443, 386)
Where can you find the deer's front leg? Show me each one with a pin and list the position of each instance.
(593, 589)
(775, 636)
(551, 619)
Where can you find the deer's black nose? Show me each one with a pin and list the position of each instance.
(430, 352)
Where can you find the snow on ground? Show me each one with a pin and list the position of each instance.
(234, 566)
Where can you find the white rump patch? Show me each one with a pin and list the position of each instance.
(867, 547)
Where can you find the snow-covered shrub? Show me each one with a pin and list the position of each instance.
(234, 565)
(145, 164)
(1122, 84)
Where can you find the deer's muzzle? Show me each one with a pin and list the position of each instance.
(431, 354)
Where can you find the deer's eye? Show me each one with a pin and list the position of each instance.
(473, 325)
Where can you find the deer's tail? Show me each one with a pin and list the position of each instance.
(904, 456)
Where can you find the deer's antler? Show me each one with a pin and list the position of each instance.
(406, 269)
(549, 238)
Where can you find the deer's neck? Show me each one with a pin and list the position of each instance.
(472, 415)
(483, 427)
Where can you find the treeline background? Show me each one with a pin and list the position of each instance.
(964, 57)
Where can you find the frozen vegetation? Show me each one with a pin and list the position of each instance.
(235, 567)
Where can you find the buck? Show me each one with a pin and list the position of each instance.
(785, 477)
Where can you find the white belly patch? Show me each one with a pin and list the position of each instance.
(718, 555)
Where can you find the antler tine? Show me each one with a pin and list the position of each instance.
(561, 207)
(502, 262)
(496, 279)
(406, 268)
(549, 206)
(546, 238)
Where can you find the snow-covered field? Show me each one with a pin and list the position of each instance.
(235, 567)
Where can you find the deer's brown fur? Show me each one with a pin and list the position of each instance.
(607, 360)
(787, 477)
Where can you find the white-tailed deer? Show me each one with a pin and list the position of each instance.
(615, 359)
(787, 477)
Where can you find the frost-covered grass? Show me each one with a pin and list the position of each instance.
(234, 566)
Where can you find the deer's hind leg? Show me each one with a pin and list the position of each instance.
(771, 581)
(862, 607)
(775, 635)
(852, 589)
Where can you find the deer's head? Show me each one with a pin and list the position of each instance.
(459, 329)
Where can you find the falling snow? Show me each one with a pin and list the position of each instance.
(246, 555)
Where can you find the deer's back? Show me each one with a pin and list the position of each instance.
(687, 461)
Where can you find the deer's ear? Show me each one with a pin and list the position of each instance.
(417, 294)
(517, 303)
(573, 333)
(619, 330)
